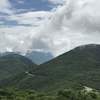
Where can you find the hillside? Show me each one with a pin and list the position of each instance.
(80, 66)
(13, 64)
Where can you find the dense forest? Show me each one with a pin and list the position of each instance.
(83, 93)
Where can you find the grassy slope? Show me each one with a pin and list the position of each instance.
(78, 66)
(13, 64)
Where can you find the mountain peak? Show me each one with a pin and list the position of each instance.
(89, 46)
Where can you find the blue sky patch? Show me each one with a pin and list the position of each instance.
(11, 23)
(36, 5)
(23, 6)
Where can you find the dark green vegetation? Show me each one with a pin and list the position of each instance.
(66, 94)
(13, 64)
(80, 66)
(76, 68)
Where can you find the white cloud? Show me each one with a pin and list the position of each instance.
(20, 1)
(15, 38)
(5, 6)
(57, 1)
(32, 18)
(74, 23)
(20, 38)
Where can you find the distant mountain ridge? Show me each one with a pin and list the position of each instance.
(39, 57)
(6, 53)
(80, 66)
(12, 64)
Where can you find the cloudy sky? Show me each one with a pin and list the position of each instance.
(54, 26)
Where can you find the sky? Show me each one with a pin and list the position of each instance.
(55, 26)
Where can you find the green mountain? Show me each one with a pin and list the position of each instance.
(80, 66)
(13, 64)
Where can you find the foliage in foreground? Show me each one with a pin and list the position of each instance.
(66, 94)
